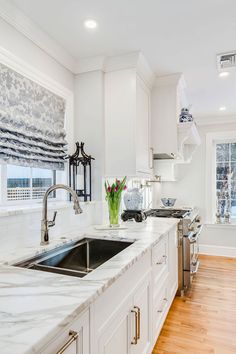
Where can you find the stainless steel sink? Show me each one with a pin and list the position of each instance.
(77, 258)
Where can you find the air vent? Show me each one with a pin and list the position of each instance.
(226, 60)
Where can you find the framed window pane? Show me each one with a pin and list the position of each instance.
(41, 180)
(222, 152)
(222, 171)
(233, 207)
(222, 186)
(25, 183)
(233, 152)
(18, 183)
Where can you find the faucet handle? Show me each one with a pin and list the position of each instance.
(52, 222)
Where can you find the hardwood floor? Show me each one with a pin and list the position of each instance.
(205, 320)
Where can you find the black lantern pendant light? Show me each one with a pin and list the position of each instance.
(80, 178)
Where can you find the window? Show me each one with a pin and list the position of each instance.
(226, 174)
(26, 183)
(220, 173)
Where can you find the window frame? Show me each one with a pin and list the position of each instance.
(210, 186)
(59, 88)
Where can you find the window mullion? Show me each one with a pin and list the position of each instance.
(31, 183)
(3, 183)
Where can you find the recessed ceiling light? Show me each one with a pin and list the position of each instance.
(91, 24)
(223, 74)
(222, 108)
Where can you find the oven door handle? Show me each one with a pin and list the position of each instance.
(193, 237)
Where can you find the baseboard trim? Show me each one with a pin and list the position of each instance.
(213, 250)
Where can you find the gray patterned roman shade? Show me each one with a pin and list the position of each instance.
(31, 123)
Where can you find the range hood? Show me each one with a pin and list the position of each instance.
(163, 156)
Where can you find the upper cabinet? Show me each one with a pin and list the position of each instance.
(173, 142)
(128, 148)
(169, 137)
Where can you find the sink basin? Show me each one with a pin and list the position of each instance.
(77, 258)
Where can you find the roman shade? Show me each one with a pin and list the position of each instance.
(31, 123)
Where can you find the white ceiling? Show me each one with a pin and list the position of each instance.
(174, 36)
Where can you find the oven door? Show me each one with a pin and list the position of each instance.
(194, 249)
(191, 250)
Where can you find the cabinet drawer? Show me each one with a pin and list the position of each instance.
(160, 259)
(74, 339)
(160, 307)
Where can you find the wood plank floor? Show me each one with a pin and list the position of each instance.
(205, 320)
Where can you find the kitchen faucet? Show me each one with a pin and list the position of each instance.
(45, 223)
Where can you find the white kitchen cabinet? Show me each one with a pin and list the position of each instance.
(173, 143)
(72, 340)
(173, 263)
(141, 303)
(168, 97)
(115, 337)
(121, 317)
(127, 318)
(128, 329)
(127, 125)
(164, 279)
(144, 158)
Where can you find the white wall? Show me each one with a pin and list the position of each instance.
(89, 123)
(24, 229)
(190, 190)
(22, 47)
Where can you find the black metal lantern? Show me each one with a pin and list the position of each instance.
(80, 178)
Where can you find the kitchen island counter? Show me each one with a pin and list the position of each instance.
(35, 306)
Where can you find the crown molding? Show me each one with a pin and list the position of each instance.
(134, 60)
(170, 80)
(85, 65)
(212, 120)
(22, 23)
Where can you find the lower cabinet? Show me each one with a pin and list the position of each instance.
(124, 325)
(127, 318)
(173, 263)
(127, 331)
(164, 279)
(73, 340)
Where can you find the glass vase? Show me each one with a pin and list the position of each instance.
(114, 211)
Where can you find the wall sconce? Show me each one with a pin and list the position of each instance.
(80, 178)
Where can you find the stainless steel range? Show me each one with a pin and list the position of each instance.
(189, 229)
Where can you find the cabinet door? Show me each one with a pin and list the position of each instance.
(116, 336)
(73, 340)
(143, 151)
(173, 263)
(141, 302)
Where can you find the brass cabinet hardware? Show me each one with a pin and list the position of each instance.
(162, 261)
(135, 339)
(163, 305)
(139, 321)
(73, 336)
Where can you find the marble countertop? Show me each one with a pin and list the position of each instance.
(35, 306)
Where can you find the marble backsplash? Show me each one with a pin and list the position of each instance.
(21, 228)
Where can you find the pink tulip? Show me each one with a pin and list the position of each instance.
(125, 188)
(109, 189)
(118, 181)
(116, 189)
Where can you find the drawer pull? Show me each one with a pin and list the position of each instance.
(135, 339)
(162, 260)
(139, 321)
(163, 305)
(73, 336)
